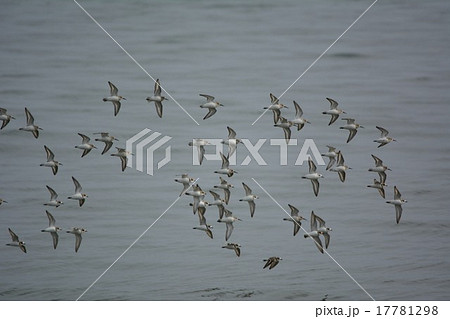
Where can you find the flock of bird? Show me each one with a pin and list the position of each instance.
(191, 188)
(336, 164)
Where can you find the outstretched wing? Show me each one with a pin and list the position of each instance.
(209, 98)
(211, 112)
(112, 89)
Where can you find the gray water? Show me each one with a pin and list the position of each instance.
(391, 69)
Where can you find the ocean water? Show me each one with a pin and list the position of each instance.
(390, 69)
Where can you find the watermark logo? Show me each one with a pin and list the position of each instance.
(144, 145)
(216, 146)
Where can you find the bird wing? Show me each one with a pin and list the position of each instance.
(14, 237)
(55, 239)
(229, 230)
(53, 194)
(209, 98)
(247, 189)
(398, 212)
(51, 219)
(333, 119)
(252, 208)
(112, 88)
(298, 110)
(342, 176)
(312, 166)
(211, 112)
(30, 118)
(351, 135)
(215, 195)
(383, 131)
(382, 177)
(331, 163)
(77, 185)
(107, 147)
(124, 161)
(225, 162)
(333, 103)
(397, 194)
(231, 133)
(294, 210)
(85, 138)
(116, 107)
(227, 195)
(157, 89)
(287, 134)
(273, 99)
(50, 155)
(159, 108)
(313, 221)
(315, 184)
(77, 242)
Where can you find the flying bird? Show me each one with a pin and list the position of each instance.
(114, 98)
(210, 104)
(157, 98)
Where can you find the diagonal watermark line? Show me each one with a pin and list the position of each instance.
(133, 243)
(133, 59)
(346, 272)
(320, 56)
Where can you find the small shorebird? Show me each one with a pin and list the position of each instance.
(314, 234)
(186, 181)
(331, 154)
(77, 231)
(200, 144)
(228, 220)
(249, 198)
(286, 126)
(107, 139)
(231, 141)
(2, 201)
(16, 242)
(219, 202)
(85, 145)
(157, 98)
(5, 117)
(384, 139)
(79, 196)
(114, 98)
(397, 202)
(378, 185)
(333, 111)
(198, 195)
(52, 229)
(225, 169)
(51, 161)
(235, 247)
(206, 229)
(295, 218)
(271, 262)
(53, 198)
(313, 176)
(299, 121)
(123, 155)
(201, 210)
(226, 188)
(30, 127)
(275, 107)
(352, 127)
(379, 168)
(210, 104)
(323, 230)
(340, 167)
